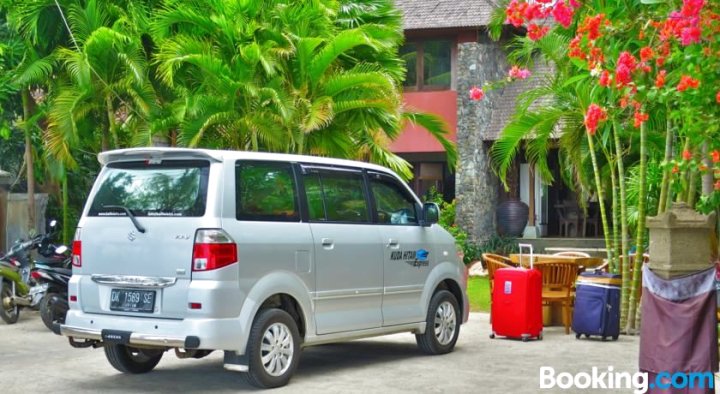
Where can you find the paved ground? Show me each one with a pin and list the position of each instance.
(37, 361)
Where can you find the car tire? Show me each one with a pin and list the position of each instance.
(273, 349)
(442, 324)
(128, 359)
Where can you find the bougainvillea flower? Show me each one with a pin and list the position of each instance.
(594, 115)
(591, 25)
(646, 53)
(518, 73)
(515, 13)
(686, 154)
(686, 82)
(536, 32)
(605, 78)
(562, 14)
(715, 156)
(622, 75)
(639, 118)
(690, 35)
(660, 79)
(692, 8)
(627, 60)
(476, 94)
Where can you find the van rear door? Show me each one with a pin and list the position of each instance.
(136, 238)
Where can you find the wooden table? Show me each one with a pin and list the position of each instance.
(586, 262)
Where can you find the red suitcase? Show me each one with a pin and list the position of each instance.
(517, 302)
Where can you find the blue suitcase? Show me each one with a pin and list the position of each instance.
(597, 305)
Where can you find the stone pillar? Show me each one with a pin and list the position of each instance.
(680, 241)
(5, 180)
(477, 187)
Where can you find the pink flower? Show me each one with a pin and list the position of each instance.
(622, 75)
(594, 115)
(605, 78)
(476, 94)
(690, 35)
(574, 4)
(563, 14)
(518, 73)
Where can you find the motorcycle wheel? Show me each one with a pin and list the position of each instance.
(53, 309)
(9, 314)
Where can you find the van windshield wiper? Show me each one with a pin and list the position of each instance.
(137, 224)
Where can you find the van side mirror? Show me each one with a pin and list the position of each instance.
(431, 214)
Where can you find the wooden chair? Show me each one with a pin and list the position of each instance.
(558, 279)
(494, 262)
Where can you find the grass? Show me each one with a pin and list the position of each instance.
(479, 293)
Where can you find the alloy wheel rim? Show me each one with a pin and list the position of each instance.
(276, 349)
(445, 321)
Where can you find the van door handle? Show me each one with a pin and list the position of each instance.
(327, 242)
(392, 243)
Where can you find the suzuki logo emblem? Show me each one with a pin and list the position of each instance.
(132, 236)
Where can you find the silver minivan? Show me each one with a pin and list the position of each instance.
(257, 255)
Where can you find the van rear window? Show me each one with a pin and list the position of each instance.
(164, 188)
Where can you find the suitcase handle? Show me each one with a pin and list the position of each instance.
(528, 247)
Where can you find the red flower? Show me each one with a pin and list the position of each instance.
(628, 60)
(536, 32)
(687, 155)
(717, 97)
(605, 78)
(591, 25)
(515, 13)
(690, 35)
(594, 115)
(563, 14)
(622, 75)
(660, 61)
(660, 79)
(639, 118)
(476, 94)
(534, 11)
(646, 53)
(691, 8)
(575, 50)
(717, 185)
(675, 169)
(715, 156)
(518, 73)
(624, 102)
(686, 82)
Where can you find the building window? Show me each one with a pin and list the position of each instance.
(429, 64)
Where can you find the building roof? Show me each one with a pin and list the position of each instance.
(439, 14)
(504, 106)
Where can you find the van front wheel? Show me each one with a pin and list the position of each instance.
(273, 349)
(132, 360)
(442, 324)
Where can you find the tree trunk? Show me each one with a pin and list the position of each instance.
(640, 234)
(29, 160)
(616, 218)
(601, 200)
(625, 241)
(665, 186)
(112, 127)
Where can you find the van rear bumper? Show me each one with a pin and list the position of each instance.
(131, 338)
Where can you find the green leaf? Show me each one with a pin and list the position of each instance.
(575, 79)
(652, 1)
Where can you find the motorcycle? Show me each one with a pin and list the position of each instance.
(17, 287)
(55, 278)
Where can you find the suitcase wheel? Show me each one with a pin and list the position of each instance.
(492, 335)
(615, 337)
(587, 335)
(577, 336)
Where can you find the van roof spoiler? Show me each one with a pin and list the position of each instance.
(158, 153)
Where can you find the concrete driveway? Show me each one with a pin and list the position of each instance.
(37, 361)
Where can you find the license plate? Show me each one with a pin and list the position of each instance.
(126, 300)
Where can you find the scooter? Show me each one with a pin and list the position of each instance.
(55, 277)
(17, 288)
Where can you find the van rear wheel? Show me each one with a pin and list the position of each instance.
(128, 359)
(442, 324)
(273, 349)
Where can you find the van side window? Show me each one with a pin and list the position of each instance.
(393, 203)
(265, 191)
(336, 197)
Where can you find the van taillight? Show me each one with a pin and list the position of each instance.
(213, 249)
(77, 253)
